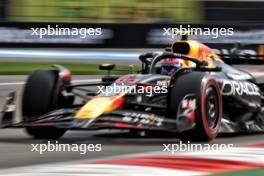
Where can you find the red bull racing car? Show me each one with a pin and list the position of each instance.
(196, 95)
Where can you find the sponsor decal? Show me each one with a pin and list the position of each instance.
(231, 87)
(164, 83)
(187, 107)
(142, 118)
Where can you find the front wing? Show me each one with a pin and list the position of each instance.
(118, 119)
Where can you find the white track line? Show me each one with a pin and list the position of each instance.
(10, 84)
(96, 170)
(74, 81)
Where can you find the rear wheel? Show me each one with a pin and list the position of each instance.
(40, 96)
(208, 112)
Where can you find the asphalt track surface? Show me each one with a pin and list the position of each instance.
(15, 145)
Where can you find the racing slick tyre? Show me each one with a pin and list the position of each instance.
(208, 105)
(41, 95)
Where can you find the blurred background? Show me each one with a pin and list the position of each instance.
(127, 25)
(133, 11)
(129, 28)
(118, 18)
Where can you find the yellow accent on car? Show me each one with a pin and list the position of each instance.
(98, 106)
(105, 65)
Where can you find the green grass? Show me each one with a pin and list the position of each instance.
(21, 68)
(250, 172)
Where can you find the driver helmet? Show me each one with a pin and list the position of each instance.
(169, 66)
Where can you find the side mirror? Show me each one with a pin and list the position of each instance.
(107, 67)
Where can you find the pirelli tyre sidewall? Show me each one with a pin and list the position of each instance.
(198, 84)
(209, 85)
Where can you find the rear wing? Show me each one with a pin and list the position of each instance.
(239, 57)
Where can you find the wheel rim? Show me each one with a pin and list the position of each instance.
(211, 107)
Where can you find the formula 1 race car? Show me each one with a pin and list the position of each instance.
(201, 98)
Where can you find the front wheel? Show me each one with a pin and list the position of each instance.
(40, 96)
